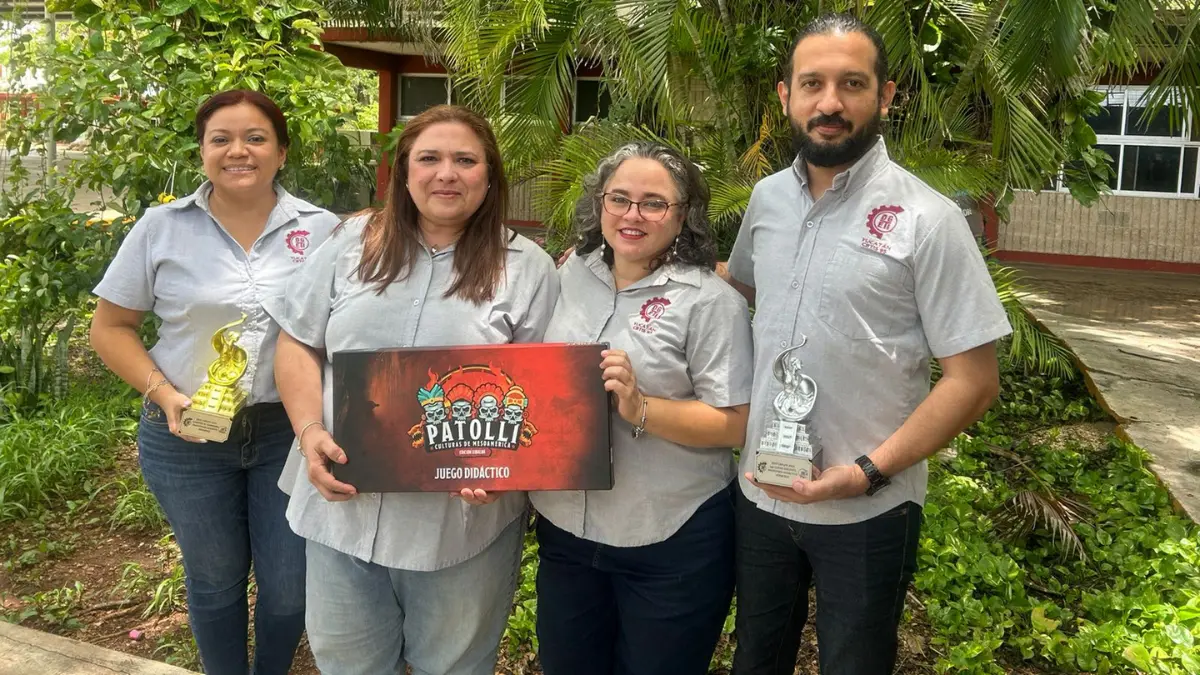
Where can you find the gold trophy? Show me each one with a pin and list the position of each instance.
(219, 398)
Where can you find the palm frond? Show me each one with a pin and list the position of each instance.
(729, 200)
(1029, 511)
(1030, 344)
(560, 180)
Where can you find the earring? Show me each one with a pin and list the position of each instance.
(675, 248)
(601, 247)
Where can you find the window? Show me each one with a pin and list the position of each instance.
(1149, 156)
(419, 93)
(591, 100)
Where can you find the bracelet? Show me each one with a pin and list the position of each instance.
(641, 427)
(152, 389)
(150, 375)
(300, 436)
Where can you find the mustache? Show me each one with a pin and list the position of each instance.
(829, 121)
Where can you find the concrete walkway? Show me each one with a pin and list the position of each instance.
(1137, 336)
(30, 652)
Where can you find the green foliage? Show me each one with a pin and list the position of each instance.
(1132, 599)
(53, 608)
(136, 508)
(54, 457)
(169, 595)
(992, 96)
(178, 648)
(23, 557)
(520, 637)
(50, 259)
(129, 79)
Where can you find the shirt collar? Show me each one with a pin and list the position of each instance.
(287, 208)
(854, 178)
(291, 206)
(692, 275)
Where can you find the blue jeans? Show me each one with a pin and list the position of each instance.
(367, 619)
(862, 572)
(642, 610)
(226, 510)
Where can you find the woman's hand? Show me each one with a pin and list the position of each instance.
(322, 450)
(173, 404)
(477, 497)
(620, 380)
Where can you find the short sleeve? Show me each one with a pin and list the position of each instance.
(741, 258)
(303, 310)
(956, 298)
(545, 284)
(720, 352)
(129, 280)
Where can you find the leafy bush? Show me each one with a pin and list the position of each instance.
(1130, 599)
(54, 457)
(50, 259)
(127, 80)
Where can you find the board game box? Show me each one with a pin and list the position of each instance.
(494, 417)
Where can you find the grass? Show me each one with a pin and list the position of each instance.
(48, 460)
(135, 507)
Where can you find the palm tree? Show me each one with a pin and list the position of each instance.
(994, 96)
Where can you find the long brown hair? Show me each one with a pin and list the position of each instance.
(391, 238)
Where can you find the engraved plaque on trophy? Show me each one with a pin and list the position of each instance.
(789, 447)
(219, 399)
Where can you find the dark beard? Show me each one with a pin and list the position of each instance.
(842, 153)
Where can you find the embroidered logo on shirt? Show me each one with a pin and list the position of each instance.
(472, 409)
(651, 312)
(297, 242)
(881, 221)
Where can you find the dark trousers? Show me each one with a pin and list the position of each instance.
(862, 572)
(226, 510)
(645, 610)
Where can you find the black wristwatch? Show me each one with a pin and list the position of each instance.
(877, 480)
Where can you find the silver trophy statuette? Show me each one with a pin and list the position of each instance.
(789, 446)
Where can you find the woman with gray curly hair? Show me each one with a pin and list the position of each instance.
(638, 579)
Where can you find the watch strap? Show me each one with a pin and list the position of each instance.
(876, 480)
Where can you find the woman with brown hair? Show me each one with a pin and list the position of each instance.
(201, 263)
(423, 579)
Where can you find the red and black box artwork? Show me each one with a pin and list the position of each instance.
(495, 417)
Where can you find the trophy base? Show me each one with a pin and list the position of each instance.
(210, 426)
(780, 469)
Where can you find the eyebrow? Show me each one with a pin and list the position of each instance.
(460, 153)
(648, 195)
(226, 131)
(852, 73)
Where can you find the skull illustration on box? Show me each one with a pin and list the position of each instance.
(515, 403)
(487, 402)
(461, 406)
(433, 400)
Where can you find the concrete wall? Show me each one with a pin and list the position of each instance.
(1136, 228)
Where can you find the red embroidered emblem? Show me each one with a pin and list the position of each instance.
(654, 308)
(883, 220)
(297, 241)
(651, 312)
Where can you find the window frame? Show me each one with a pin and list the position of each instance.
(575, 98)
(1135, 96)
(400, 116)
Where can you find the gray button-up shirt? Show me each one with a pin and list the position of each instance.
(180, 263)
(328, 307)
(687, 334)
(879, 274)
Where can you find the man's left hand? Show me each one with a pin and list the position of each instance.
(836, 482)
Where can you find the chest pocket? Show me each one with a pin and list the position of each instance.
(866, 296)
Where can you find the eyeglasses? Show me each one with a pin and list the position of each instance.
(650, 209)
